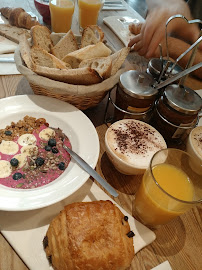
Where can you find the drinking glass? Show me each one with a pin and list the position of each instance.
(170, 187)
(89, 12)
(61, 15)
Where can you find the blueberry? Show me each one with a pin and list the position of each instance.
(14, 162)
(39, 161)
(8, 132)
(17, 176)
(48, 148)
(61, 166)
(52, 142)
(55, 150)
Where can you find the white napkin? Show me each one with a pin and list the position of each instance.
(8, 68)
(25, 230)
(163, 266)
(6, 45)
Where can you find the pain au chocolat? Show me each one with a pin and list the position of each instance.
(89, 236)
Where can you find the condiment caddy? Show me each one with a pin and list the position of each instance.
(151, 96)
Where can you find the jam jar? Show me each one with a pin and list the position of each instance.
(176, 112)
(135, 96)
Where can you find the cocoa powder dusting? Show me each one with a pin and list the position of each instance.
(136, 138)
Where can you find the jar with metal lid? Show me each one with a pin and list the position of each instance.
(176, 112)
(135, 96)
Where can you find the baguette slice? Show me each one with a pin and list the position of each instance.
(118, 58)
(41, 37)
(103, 65)
(88, 52)
(66, 45)
(13, 33)
(43, 58)
(25, 52)
(80, 76)
(92, 34)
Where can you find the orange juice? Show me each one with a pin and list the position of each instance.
(61, 15)
(89, 11)
(155, 207)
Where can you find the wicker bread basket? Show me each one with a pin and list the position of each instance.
(81, 96)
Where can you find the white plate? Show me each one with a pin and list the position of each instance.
(75, 125)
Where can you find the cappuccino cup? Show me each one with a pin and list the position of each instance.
(194, 148)
(130, 145)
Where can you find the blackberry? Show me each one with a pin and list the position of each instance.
(17, 176)
(14, 162)
(39, 161)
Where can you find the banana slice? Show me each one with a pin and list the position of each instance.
(29, 150)
(22, 160)
(5, 168)
(27, 139)
(46, 134)
(9, 147)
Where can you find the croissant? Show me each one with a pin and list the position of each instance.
(18, 17)
(89, 236)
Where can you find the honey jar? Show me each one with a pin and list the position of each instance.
(135, 96)
(176, 112)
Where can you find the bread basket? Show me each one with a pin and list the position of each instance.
(81, 96)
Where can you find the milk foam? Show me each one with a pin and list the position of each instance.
(134, 141)
(196, 139)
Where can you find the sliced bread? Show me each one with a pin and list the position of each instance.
(43, 58)
(13, 33)
(88, 52)
(80, 76)
(102, 65)
(66, 45)
(25, 52)
(41, 37)
(92, 34)
(118, 58)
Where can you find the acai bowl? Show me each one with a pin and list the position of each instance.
(81, 136)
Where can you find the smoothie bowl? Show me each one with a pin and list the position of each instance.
(35, 170)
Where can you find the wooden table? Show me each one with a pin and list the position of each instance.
(179, 242)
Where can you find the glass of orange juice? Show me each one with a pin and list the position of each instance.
(169, 187)
(89, 12)
(61, 15)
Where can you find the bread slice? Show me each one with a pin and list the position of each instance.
(13, 33)
(102, 65)
(41, 37)
(25, 52)
(118, 58)
(79, 76)
(66, 45)
(43, 58)
(92, 34)
(88, 52)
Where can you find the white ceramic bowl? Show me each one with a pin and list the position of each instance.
(130, 145)
(194, 148)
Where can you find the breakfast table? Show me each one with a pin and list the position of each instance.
(180, 241)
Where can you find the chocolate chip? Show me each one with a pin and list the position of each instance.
(126, 218)
(130, 234)
(45, 242)
(50, 259)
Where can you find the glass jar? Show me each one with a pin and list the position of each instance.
(135, 96)
(176, 112)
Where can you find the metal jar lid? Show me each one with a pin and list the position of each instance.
(137, 84)
(184, 100)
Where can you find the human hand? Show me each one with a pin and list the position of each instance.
(153, 30)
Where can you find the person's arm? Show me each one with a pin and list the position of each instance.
(153, 30)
